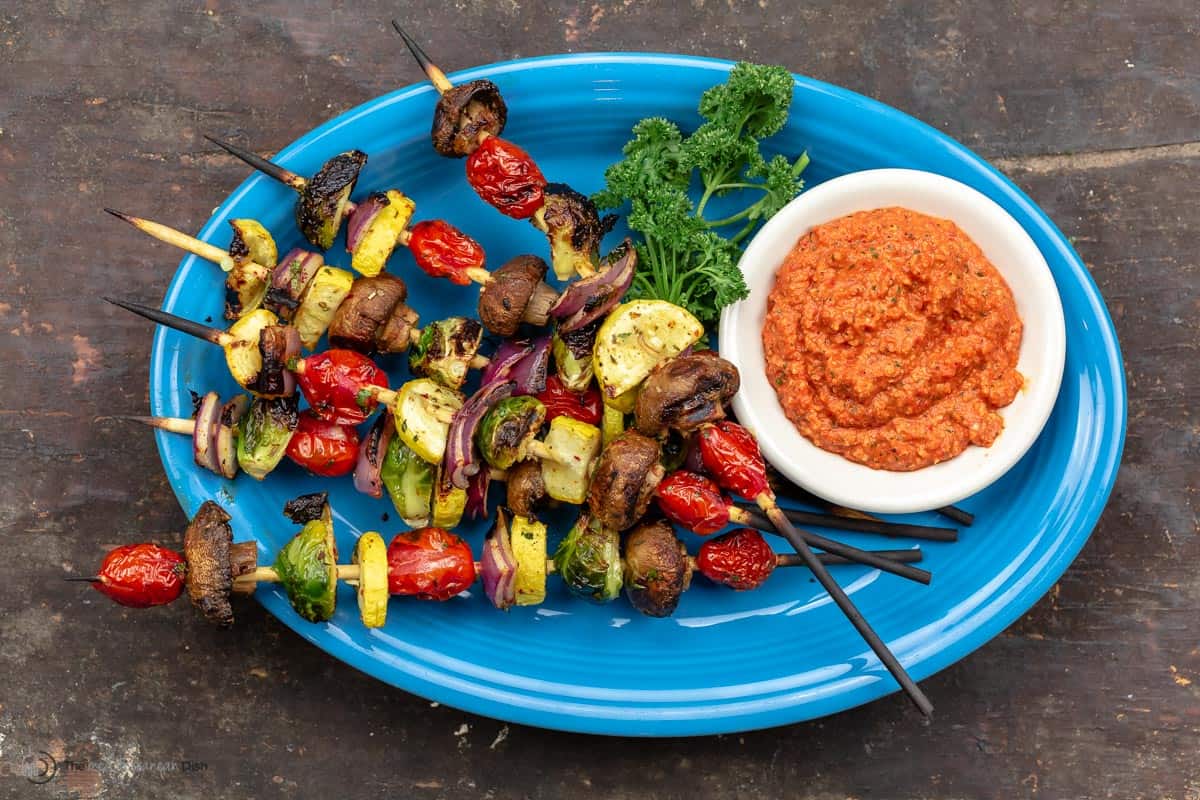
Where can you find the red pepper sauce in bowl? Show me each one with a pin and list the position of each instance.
(891, 340)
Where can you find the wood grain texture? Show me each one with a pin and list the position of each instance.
(1092, 107)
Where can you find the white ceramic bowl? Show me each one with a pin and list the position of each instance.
(1043, 347)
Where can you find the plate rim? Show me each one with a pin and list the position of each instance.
(486, 704)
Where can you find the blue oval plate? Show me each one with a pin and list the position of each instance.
(726, 661)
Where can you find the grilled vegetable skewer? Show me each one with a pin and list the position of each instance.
(467, 122)
(427, 563)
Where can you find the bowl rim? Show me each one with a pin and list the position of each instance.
(834, 477)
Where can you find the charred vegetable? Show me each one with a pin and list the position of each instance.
(526, 487)
(321, 206)
(636, 337)
(206, 546)
(516, 293)
(574, 446)
(251, 249)
(685, 392)
(573, 356)
(390, 212)
(504, 435)
(408, 479)
(574, 228)
(264, 433)
(657, 569)
(445, 350)
(449, 502)
(289, 281)
(623, 482)
(367, 307)
(307, 569)
(396, 334)
(422, 409)
(589, 560)
(465, 112)
(324, 295)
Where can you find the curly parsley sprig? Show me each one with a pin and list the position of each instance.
(686, 257)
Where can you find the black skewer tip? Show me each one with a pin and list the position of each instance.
(206, 332)
(957, 514)
(119, 215)
(268, 168)
(423, 59)
(91, 579)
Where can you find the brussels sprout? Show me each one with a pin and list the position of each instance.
(589, 560)
(264, 432)
(445, 350)
(322, 203)
(409, 482)
(506, 430)
(307, 568)
(573, 356)
(574, 229)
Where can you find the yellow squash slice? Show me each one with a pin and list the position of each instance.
(370, 554)
(528, 539)
(324, 294)
(635, 338)
(242, 356)
(379, 239)
(574, 446)
(422, 410)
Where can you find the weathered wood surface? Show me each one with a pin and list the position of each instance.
(1092, 107)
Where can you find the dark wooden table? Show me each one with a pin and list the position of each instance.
(1092, 107)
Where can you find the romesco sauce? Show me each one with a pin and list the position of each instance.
(891, 340)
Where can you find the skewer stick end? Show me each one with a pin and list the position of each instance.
(79, 579)
(268, 168)
(431, 70)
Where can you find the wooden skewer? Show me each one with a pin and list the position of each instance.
(350, 573)
(190, 244)
(205, 332)
(838, 522)
(431, 70)
(766, 501)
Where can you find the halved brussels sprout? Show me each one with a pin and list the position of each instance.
(408, 479)
(263, 434)
(445, 350)
(574, 229)
(505, 432)
(573, 356)
(322, 204)
(307, 568)
(589, 560)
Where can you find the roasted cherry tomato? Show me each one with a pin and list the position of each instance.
(443, 251)
(505, 176)
(141, 575)
(561, 401)
(335, 383)
(693, 501)
(730, 454)
(740, 559)
(323, 448)
(429, 563)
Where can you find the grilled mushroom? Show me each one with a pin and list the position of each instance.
(395, 335)
(526, 487)
(657, 569)
(464, 112)
(624, 480)
(322, 203)
(206, 546)
(685, 392)
(504, 300)
(365, 310)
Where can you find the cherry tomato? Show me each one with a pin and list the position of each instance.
(559, 401)
(693, 501)
(141, 575)
(740, 559)
(335, 383)
(443, 251)
(730, 454)
(323, 448)
(429, 563)
(505, 176)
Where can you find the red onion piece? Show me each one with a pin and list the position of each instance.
(370, 456)
(461, 461)
(208, 417)
(498, 567)
(694, 462)
(588, 299)
(477, 495)
(361, 217)
(224, 435)
(291, 352)
(510, 352)
(530, 372)
(289, 279)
